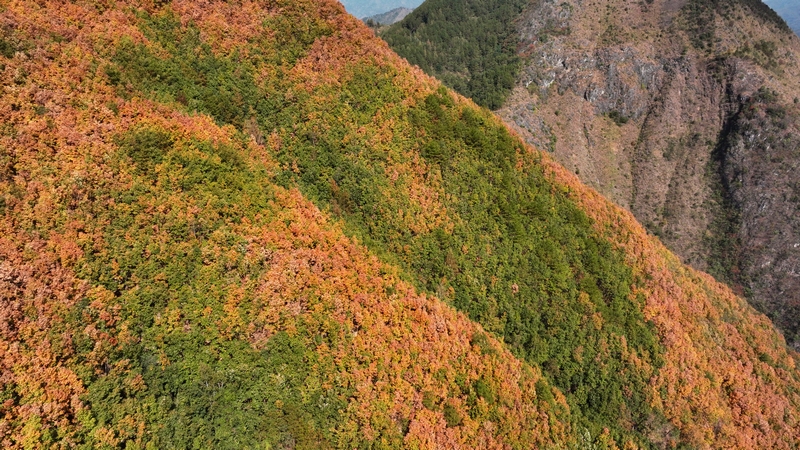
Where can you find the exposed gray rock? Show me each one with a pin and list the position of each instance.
(639, 110)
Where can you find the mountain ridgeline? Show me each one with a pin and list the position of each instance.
(368, 8)
(287, 237)
(684, 112)
(387, 18)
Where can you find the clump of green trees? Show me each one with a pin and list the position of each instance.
(469, 45)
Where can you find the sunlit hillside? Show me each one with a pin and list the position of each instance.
(252, 225)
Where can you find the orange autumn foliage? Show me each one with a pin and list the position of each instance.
(407, 360)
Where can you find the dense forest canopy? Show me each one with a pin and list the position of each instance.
(653, 105)
(469, 45)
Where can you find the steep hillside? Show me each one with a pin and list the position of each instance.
(249, 224)
(664, 106)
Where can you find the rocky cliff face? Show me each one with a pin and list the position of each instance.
(758, 161)
(685, 113)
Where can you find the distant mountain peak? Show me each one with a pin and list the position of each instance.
(367, 8)
(389, 17)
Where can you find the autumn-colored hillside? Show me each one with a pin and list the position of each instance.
(250, 224)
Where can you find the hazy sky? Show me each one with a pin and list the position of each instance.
(789, 10)
(364, 8)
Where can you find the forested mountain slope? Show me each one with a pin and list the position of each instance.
(683, 111)
(250, 224)
(470, 45)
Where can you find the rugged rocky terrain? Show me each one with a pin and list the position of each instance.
(683, 111)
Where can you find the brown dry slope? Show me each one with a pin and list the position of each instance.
(684, 112)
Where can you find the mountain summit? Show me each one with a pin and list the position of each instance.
(249, 224)
(684, 112)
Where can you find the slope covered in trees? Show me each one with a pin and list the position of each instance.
(685, 113)
(469, 45)
(284, 236)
